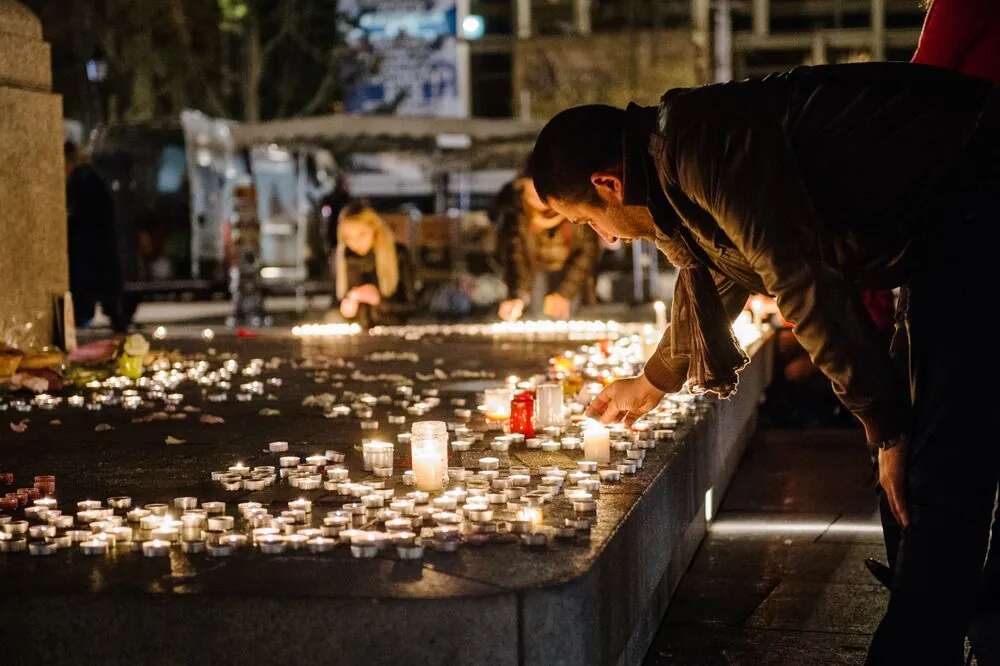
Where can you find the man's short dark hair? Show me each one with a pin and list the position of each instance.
(573, 145)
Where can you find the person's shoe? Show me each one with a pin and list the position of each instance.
(881, 572)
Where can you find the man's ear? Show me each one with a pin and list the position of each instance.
(609, 186)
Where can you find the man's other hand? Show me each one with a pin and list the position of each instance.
(892, 478)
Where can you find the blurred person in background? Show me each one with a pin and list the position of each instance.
(95, 274)
(547, 263)
(372, 275)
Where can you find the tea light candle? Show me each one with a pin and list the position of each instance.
(193, 547)
(277, 447)
(500, 445)
(224, 523)
(60, 522)
(489, 463)
(477, 512)
(320, 544)
(459, 445)
(372, 501)
(155, 548)
(338, 474)
(150, 522)
(36, 512)
(239, 468)
(570, 443)
(94, 547)
(121, 502)
(47, 502)
(609, 475)
(403, 506)
(157, 509)
(271, 544)
(38, 548)
(183, 503)
(88, 505)
(246, 508)
(41, 531)
(289, 461)
(444, 503)
(550, 446)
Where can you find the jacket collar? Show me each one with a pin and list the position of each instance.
(639, 177)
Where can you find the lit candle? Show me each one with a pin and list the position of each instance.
(596, 443)
(155, 548)
(496, 404)
(428, 468)
(660, 308)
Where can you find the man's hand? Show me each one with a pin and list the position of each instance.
(892, 478)
(626, 399)
(348, 307)
(556, 306)
(367, 293)
(511, 309)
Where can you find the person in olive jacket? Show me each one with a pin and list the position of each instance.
(547, 262)
(811, 186)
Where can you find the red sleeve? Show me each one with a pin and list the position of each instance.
(950, 29)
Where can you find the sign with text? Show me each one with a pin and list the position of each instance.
(406, 57)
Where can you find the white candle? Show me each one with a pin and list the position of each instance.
(428, 468)
(661, 314)
(596, 443)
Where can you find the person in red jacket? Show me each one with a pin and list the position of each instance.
(963, 35)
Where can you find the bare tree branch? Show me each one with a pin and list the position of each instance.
(325, 87)
(179, 20)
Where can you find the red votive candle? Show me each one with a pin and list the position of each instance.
(522, 412)
(9, 502)
(45, 484)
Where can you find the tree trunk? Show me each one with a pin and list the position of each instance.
(253, 66)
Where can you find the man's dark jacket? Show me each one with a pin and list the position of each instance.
(810, 186)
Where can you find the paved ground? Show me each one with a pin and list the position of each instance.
(780, 578)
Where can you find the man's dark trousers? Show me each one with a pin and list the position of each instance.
(953, 467)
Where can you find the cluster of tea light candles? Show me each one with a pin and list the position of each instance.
(483, 504)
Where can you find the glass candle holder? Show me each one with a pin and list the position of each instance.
(549, 406)
(496, 403)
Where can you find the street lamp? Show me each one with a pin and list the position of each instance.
(97, 67)
(97, 72)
